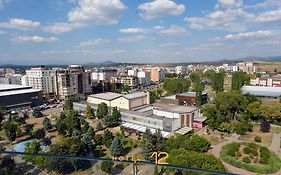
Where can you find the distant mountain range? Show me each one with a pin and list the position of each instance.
(112, 63)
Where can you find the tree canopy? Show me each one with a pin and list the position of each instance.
(239, 79)
(176, 85)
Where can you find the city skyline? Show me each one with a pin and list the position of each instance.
(83, 31)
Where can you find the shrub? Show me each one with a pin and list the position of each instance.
(258, 139)
(232, 148)
(263, 160)
(264, 152)
(246, 160)
(265, 126)
(247, 150)
(252, 145)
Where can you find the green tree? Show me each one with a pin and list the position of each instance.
(116, 147)
(10, 130)
(72, 121)
(197, 143)
(88, 137)
(182, 157)
(47, 124)
(61, 125)
(125, 88)
(99, 126)
(122, 130)
(152, 96)
(107, 138)
(102, 110)
(265, 126)
(218, 82)
(40, 133)
(107, 166)
(68, 104)
(88, 112)
(116, 115)
(85, 127)
(239, 79)
(148, 144)
(159, 139)
(32, 147)
(176, 85)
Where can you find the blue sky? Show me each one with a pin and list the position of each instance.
(147, 31)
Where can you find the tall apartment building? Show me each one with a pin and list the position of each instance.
(41, 78)
(157, 74)
(73, 81)
(14, 79)
(131, 81)
(103, 75)
(247, 67)
(144, 78)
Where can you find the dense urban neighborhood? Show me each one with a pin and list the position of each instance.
(224, 118)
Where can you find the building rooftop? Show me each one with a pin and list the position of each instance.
(9, 87)
(135, 95)
(16, 92)
(174, 108)
(190, 94)
(106, 96)
(262, 91)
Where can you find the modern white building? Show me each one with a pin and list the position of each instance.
(41, 78)
(103, 75)
(132, 72)
(144, 78)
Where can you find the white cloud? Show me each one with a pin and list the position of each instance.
(132, 38)
(160, 8)
(174, 30)
(266, 4)
(158, 27)
(229, 20)
(2, 32)
(97, 11)
(171, 44)
(230, 3)
(63, 27)
(34, 39)
(272, 16)
(249, 35)
(21, 24)
(133, 30)
(96, 42)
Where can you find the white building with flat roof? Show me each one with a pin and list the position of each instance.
(41, 78)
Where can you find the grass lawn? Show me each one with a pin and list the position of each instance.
(250, 136)
(214, 137)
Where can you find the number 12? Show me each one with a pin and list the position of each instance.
(159, 157)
